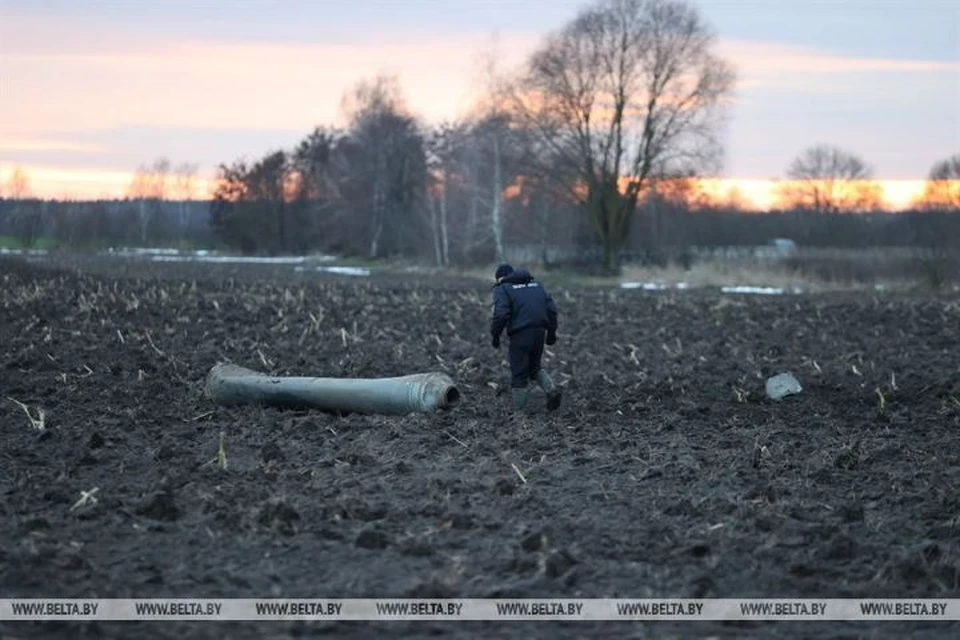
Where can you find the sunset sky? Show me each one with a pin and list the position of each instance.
(90, 89)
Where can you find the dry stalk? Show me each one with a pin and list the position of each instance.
(37, 423)
(153, 346)
(520, 475)
(457, 440)
(883, 401)
(266, 361)
(221, 458)
(86, 497)
(666, 349)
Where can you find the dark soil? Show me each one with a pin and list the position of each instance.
(666, 473)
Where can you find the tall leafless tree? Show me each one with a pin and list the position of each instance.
(388, 156)
(942, 191)
(444, 148)
(18, 184)
(184, 188)
(149, 187)
(935, 228)
(27, 216)
(321, 169)
(492, 132)
(825, 179)
(250, 206)
(491, 135)
(630, 90)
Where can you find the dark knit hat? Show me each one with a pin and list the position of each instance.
(503, 271)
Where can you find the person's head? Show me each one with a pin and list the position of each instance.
(503, 271)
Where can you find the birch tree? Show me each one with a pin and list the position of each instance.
(185, 187)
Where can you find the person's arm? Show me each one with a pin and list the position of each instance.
(551, 320)
(551, 315)
(501, 314)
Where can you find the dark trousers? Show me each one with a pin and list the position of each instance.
(526, 351)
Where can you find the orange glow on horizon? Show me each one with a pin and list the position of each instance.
(58, 183)
(751, 194)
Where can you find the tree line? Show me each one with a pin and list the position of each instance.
(593, 146)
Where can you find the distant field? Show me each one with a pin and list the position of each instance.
(14, 242)
(809, 269)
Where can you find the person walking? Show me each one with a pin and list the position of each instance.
(523, 308)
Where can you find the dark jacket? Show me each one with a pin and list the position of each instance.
(520, 302)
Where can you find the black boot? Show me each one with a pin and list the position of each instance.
(554, 394)
(520, 397)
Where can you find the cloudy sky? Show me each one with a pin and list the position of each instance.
(90, 89)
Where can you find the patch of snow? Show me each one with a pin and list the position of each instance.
(206, 255)
(767, 291)
(140, 251)
(143, 251)
(346, 271)
(646, 286)
(22, 252)
(232, 259)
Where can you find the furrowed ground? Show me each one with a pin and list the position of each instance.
(666, 473)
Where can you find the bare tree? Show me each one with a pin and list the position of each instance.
(149, 188)
(184, 188)
(494, 128)
(942, 191)
(443, 147)
(628, 91)
(825, 179)
(27, 215)
(322, 220)
(387, 151)
(368, 106)
(139, 191)
(935, 228)
(493, 153)
(250, 209)
(18, 185)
